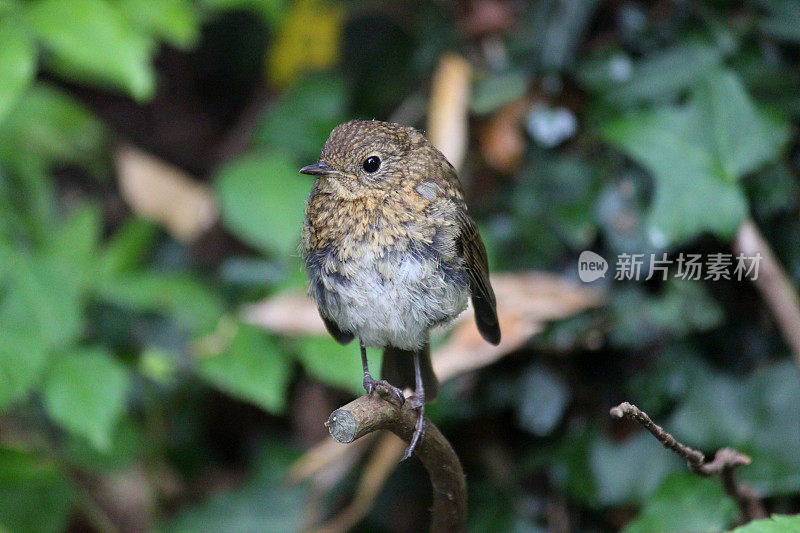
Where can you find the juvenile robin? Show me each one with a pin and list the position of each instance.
(391, 252)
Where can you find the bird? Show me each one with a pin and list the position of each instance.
(391, 252)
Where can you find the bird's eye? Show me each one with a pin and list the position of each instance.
(372, 164)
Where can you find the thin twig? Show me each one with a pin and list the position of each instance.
(773, 283)
(365, 415)
(723, 465)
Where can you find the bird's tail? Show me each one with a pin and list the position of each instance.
(398, 369)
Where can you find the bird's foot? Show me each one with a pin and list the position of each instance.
(419, 427)
(415, 401)
(385, 390)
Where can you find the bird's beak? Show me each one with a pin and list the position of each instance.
(317, 169)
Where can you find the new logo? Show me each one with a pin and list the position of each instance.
(591, 266)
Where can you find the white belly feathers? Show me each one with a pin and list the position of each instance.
(398, 310)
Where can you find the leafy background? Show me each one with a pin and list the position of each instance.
(148, 192)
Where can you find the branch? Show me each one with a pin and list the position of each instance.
(773, 283)
(722, 466)
(365, 415)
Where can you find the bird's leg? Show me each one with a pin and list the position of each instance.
(417, 402)
(370, 383)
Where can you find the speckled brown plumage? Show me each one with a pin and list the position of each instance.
(392, 252)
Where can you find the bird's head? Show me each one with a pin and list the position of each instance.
(363, 156)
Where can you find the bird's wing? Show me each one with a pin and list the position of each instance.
(483, 299)
(343, 337)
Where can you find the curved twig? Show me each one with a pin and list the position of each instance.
(725, 460)
(365, 415)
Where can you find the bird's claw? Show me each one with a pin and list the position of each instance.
(419, 428)
(384, 388)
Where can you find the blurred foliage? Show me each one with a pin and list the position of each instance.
(774, 524)
(128, 380)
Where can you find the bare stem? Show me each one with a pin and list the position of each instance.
(725, 460)
(365, 415)
(773, 283)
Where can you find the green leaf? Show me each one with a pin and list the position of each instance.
(303, 117)
(266, 502)
(22, 359)
(250, 366)
(175, 21)
(773, 391)
(669, 144)
(663, 74)
(686, 502)
(85, 393)
(570, 467)
(335, 364)
(128, 445)
(75, 242)
(757, 417)
(725, 415)
(629, 471)
(640, 319)
(182, 297)
(44, 298)
(554, 202)
(774, 524)
(492, 92)
(773, 190)
(262, 199)
(34, 201)
(35, 494)
(8, 6)
(50, 126)
(128, 247)
(92, 41)
(17, 63)
(696, 153)
(742, 138)
(672, 371)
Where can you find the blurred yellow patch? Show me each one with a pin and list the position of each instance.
(309, 39)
